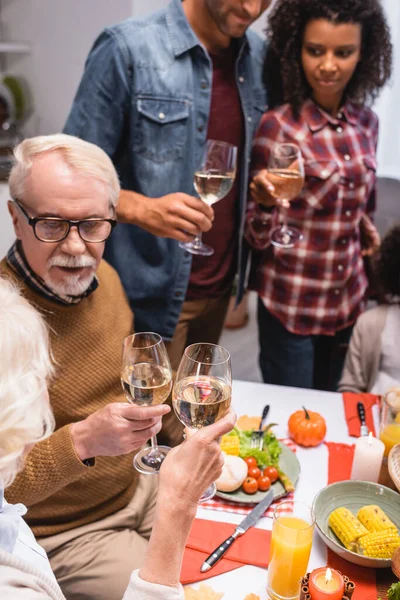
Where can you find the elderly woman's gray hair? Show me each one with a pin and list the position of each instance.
(86, 158)
(25, 367)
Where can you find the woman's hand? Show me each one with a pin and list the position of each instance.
(192, 467)
(261, 188)
(370, 238)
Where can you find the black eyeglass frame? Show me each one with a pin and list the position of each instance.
(32, 221)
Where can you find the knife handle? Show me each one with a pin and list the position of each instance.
(219, 552)
(361, 411)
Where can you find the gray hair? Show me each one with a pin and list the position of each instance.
(86, 158)
(25, 367)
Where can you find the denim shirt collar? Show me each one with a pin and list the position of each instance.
(181, 34)
(10, 517)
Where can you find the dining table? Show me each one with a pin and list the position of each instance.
(249, 398)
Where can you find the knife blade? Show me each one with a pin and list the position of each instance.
(243, 526)
(361, 413)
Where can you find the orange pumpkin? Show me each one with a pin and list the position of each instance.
(307, 428)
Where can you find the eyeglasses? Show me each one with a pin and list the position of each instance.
(54, 229)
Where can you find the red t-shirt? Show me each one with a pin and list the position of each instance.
(211, 276)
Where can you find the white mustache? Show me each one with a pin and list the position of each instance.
(71, 261)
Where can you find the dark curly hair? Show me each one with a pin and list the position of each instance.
(387, 267)
(283, 72)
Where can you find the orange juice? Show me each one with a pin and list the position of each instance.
(390, 436)
(290, 551)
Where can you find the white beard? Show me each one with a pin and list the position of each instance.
(72, 285)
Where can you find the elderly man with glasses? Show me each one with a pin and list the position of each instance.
(89, 508)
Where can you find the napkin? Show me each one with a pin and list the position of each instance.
(350, 408)
(252, 548)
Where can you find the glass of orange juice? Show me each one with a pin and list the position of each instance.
(292, 535)
(390, 419)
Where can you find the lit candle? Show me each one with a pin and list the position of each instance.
(326, 584)
(368, 457)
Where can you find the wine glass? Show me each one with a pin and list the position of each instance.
(202, 390)
(212, 181)
(286, 173)
(146, 380)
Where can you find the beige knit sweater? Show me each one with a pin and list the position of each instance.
(86, 340)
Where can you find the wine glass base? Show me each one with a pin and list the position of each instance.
(285, 238)
(209, 493)
(146, 463)
(194, 248)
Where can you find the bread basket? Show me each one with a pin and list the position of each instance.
(394, 465)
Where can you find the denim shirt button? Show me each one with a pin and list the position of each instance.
(178, 294)
(249, 119)
(241, 79)
(161, 116)
(200, 128)
(204, 85)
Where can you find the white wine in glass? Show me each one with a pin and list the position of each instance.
(146, 379)
(203, 389)
(286, 173)
(213, 180)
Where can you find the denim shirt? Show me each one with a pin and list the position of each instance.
(145, 99)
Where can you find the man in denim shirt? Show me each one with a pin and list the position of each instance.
(153, 91)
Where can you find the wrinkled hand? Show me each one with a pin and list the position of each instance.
(178, 216)
(116, 429)
(370, 238)
(261, 188)
(192, 467)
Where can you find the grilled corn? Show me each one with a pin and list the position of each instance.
(374, 519)
(346, 527)
(379, 544)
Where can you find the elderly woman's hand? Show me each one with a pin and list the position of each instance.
(192, 467)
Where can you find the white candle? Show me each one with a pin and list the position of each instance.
(368, 457)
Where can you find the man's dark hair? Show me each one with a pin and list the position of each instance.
(387, 267)
(283, 72)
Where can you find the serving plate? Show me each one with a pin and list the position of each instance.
(289, 464)
(353, 495)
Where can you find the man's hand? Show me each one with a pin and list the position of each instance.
(192, 467)
(261, 188)
(116, 429)
(178, 216)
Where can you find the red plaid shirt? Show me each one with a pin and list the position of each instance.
(318, 286)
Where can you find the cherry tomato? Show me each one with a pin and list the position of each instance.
(254, 472)
(250, 461)
(272, 473)
(263, 483)
(250, 485)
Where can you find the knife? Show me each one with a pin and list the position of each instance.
(248, 522)
(361, 413)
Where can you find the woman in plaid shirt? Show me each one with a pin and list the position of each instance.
(326, 60)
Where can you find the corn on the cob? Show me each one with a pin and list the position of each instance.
(379, 544)
(230, 445)
(346, 527)
(374, 519)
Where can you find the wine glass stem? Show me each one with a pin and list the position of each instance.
(197, 241)
(284, 212)
(154, 446)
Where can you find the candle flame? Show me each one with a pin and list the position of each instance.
(370, 438)
(328, 575)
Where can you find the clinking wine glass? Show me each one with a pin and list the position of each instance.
(146, 380)
(213, 180)
(202, 390)
(286, 173)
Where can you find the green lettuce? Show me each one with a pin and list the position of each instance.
(268, 456)
(394, 591)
